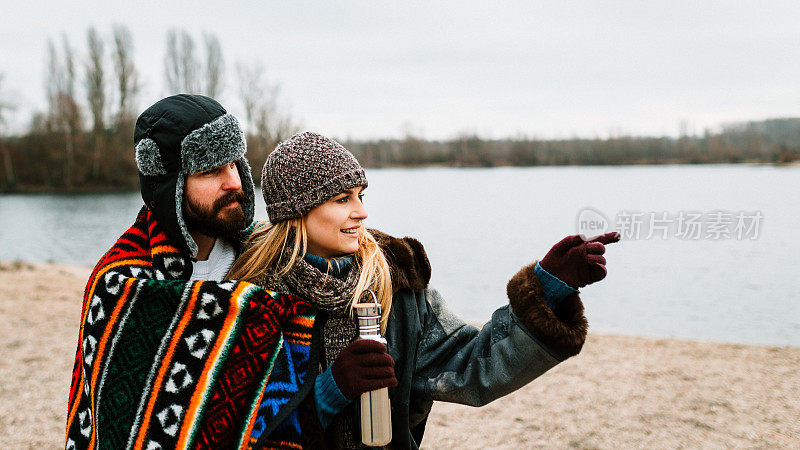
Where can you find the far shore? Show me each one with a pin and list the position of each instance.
(620, 392)
(57, 190)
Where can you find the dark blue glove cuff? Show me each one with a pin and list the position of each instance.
(329, 399)
(554, 289)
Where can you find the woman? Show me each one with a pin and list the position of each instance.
(316, 246)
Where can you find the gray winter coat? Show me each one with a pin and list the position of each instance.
(438, 357)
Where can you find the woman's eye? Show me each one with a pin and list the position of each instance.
(342, 200)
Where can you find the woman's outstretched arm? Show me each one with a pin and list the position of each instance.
(460, 363)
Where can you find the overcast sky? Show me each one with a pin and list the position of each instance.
(379, 69)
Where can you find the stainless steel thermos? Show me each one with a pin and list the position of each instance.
(376, 415)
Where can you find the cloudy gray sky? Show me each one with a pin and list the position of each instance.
(367, 69)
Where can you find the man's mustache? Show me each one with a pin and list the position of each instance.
(227, 199)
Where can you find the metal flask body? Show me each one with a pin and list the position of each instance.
(376, 413)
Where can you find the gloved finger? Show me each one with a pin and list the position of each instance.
(608, 238)
(375, 360)
(567, 243)
(598, 272)
(361, 346)
(595, 248)
(578, 251)
(377, 373)
(596, 259)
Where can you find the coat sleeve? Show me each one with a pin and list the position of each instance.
(460, 363)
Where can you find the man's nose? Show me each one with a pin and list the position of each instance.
(231, 180)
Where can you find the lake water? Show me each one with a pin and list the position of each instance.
(480, 225)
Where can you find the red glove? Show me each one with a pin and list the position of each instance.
(578, 262)
(361, 367)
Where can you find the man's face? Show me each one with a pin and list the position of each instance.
(213, 202)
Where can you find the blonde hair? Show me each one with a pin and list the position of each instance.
(265, 246)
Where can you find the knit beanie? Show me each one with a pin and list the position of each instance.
(304, 171)
(178, 136)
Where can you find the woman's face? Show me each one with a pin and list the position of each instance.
(332, 227)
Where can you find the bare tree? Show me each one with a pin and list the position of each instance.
(69, 111)
(8, 164)
(5, 106)
(265, 125)
(52, 85)
(215, 65)
(96, 96)
(252, 89)
(127, 80)
(172, 74)
(189, 64)
(180, 65)
(64, 112)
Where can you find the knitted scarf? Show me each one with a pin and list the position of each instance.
(167, 363)
(334, 296)
(327, 293)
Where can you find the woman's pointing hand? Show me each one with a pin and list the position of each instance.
(577, 262)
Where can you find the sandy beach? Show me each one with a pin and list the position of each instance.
(620, 392)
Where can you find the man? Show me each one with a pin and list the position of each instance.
(194, 178)
(169, 355)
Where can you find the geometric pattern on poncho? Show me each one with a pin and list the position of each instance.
(166, 363)
(289, 374)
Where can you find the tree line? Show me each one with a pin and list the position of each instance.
(770, 141)
(83, 140)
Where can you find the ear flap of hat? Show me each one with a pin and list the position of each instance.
(163, 194)
(246, 177)
(191, 245)
(148, 158)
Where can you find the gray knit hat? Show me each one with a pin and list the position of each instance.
(304, 171)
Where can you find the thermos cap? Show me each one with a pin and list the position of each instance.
(367, 309)
(368, 306)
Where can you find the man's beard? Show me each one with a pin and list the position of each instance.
(207, 221)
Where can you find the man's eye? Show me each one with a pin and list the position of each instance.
(342, 200)
(361, 197)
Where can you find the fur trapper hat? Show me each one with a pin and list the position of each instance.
(304, 171)
(178, 136)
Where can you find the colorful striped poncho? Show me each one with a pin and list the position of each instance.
(167, 363)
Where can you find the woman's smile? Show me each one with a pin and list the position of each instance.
(351, 232)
